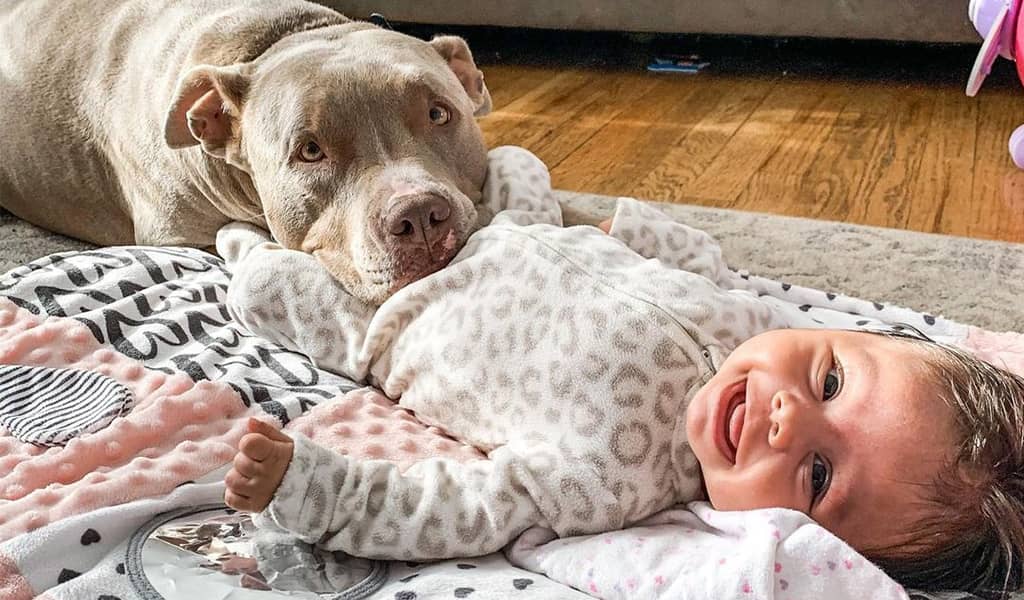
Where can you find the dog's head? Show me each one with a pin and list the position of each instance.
(361, 143)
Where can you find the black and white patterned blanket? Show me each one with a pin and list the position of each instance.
(165, 308)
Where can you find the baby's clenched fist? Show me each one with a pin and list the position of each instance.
(259, 466)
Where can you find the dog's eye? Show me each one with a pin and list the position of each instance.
(311, 152)
(439, 115)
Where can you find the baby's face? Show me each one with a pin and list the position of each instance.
(840, 425)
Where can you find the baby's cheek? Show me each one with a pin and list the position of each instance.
(750, 488)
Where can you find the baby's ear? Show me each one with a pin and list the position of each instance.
(456, 52)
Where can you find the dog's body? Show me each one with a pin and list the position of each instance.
(157, 122)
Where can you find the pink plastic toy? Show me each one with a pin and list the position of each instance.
(999, 23)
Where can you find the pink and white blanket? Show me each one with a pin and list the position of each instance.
(82, 495)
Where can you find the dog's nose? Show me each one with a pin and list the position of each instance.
(419, 220)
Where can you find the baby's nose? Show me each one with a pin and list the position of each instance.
(785, 420)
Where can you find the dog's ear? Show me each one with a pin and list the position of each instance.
(456, 52)
(206, 108)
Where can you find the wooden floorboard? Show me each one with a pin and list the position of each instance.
(824, 138)
(719, 110)
(996, 206)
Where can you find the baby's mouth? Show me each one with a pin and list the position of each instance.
(732, 425)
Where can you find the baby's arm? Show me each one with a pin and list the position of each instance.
(518, 188)
(289, 298)
(653, 234)
(437, 509)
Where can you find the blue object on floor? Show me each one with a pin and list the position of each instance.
(677, 64)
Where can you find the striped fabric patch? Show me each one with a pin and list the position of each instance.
(49, 407)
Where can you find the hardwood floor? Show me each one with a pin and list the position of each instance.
(877, 134)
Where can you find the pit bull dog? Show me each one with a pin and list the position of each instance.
(158, 121)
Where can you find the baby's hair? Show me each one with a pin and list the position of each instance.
(974, 539)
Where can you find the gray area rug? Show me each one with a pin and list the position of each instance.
(971, 281)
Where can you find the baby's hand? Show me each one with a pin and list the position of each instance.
(262, 459)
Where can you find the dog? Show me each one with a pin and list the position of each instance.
(158, 121)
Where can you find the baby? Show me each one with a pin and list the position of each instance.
(608, 376)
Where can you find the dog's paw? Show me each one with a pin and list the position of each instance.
(236, 240)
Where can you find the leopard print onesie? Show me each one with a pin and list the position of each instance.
(568, 356)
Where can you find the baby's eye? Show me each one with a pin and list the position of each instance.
(833, 381)
(821, 476)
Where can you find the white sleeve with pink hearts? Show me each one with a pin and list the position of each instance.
(698, 553)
